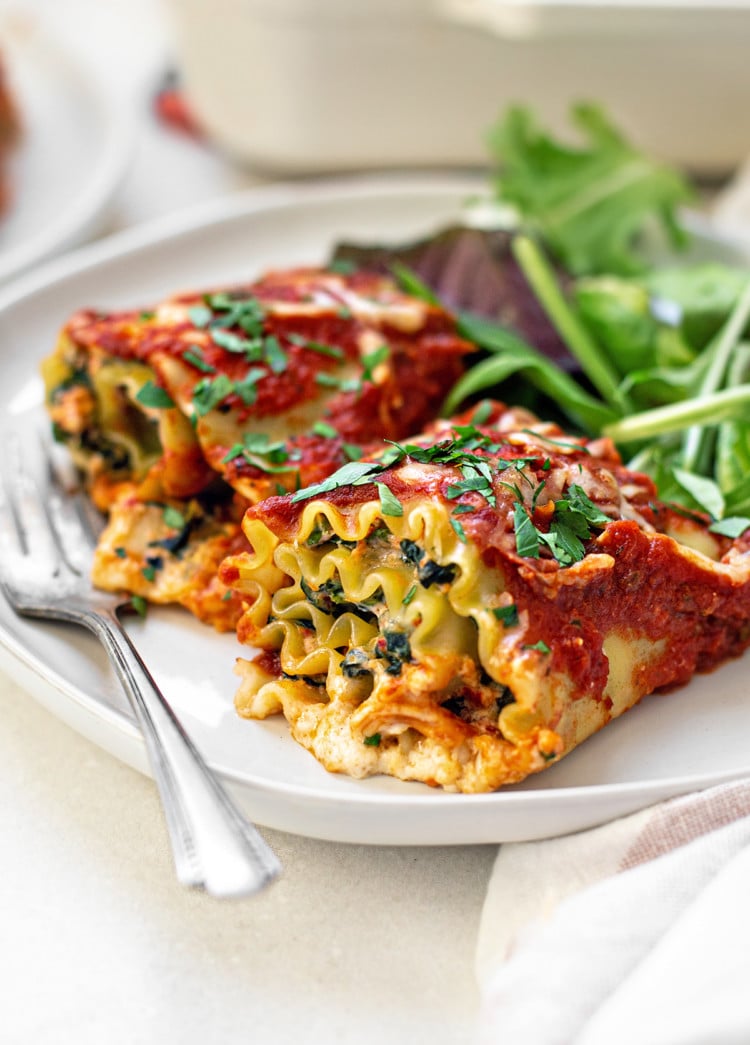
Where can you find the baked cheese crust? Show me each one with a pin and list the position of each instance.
(465, 609)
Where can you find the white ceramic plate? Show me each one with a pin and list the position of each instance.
(668, 745)
(73, 150)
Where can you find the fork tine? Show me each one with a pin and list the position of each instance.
(66, 477)
(26, 506)
(70, 522)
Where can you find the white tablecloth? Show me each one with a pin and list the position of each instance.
(98, 942)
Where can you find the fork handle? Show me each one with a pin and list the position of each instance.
(213, 845)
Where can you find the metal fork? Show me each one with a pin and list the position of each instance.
(45, 558)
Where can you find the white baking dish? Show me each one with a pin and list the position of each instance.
(301, 86)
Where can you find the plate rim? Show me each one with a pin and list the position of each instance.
(128, 745)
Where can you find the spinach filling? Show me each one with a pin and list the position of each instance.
(329, 598)
(428, 571)
(465, 706)
(394, 648)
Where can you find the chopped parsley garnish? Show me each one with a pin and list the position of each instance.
(194, 356)
(139, 604)
(209, 392)
(246, 388)
(153, 395)
(573, 517)
(452, 451)
(257, 450)
(373, 740)
(354, 473)
(571, 525)
(507, 615)
(316, 346)
(459, 452)
(174, 518)
(153, 563)
(274, 355)
(344, 384)
(372, 360)
(244, 312)
(322, 428)
(120, 552)
(527, 535)
(251, 348)
(409, 281)
(541, 646)
(409, 595)
(389, 503)
(458, 529)
(200, 316)
(222, 312)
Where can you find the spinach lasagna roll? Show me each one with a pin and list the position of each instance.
(465, 609)
(181, 416)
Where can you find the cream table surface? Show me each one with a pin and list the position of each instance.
(98, 942)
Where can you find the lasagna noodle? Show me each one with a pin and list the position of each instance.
(406, 644)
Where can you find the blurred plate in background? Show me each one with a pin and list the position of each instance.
(72, 152)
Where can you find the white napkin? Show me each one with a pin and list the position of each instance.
(636, 932)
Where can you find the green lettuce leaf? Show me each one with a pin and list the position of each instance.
(589, 203)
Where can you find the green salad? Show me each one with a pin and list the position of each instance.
(656, 356)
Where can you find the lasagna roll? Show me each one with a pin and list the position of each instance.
(182, 415)
(466, 608)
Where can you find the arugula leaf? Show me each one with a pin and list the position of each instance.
(733, 526)
(701, 295)
(589, 203)
(512, 356)
(595, 365)
(705, 492)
